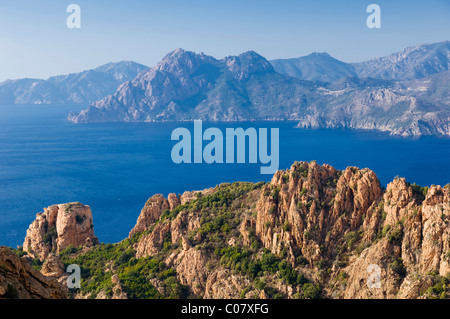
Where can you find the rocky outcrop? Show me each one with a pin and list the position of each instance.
(19, 280)
(224, 285)
(58, 227)
(53, 267)
(173, 232)
(151, 212)
(157, 204)
(118, 292)
(190, 265)
(414, 243)
(311, 230)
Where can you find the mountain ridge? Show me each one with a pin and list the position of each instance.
(82, 87)
(413, 62)
(405, 93)
(188, 86)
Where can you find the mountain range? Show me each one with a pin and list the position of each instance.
(84, 87)
(411, 63)
(186, 86)
(405, 93)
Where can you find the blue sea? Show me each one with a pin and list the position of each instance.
(116, 167)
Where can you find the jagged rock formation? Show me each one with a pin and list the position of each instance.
(19, 280)
(312, 231)
(157, 204)
(322, 215)
(84, 87)
(58, 227)
(416, 243)
(186, 86)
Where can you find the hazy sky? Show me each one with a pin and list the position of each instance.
(36, 43)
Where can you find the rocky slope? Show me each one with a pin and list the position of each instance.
(19, 280)
(311, 232)
(315, 67)
(411, 63)
(409, 108)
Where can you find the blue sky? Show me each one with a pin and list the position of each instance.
(36, 43)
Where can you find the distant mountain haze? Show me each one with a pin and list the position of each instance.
(315, 67)
(405, 93)
(411, 63)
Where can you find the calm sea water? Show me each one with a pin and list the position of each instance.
(116, 167)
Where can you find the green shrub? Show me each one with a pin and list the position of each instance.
(310, 291)
(303, 192)
(397, 266)
(49, 235)
(396, 236)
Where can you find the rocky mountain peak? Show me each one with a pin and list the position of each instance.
(320, 54)
(247, 64)
(410, 63)
(181, 60)
(312, 231)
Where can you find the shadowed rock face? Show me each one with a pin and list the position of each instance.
(84, 87)
(19, 280)
(58, 227)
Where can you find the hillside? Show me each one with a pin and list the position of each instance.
(408, 64)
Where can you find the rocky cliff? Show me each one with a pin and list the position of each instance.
(311, 232)
(58, 227)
